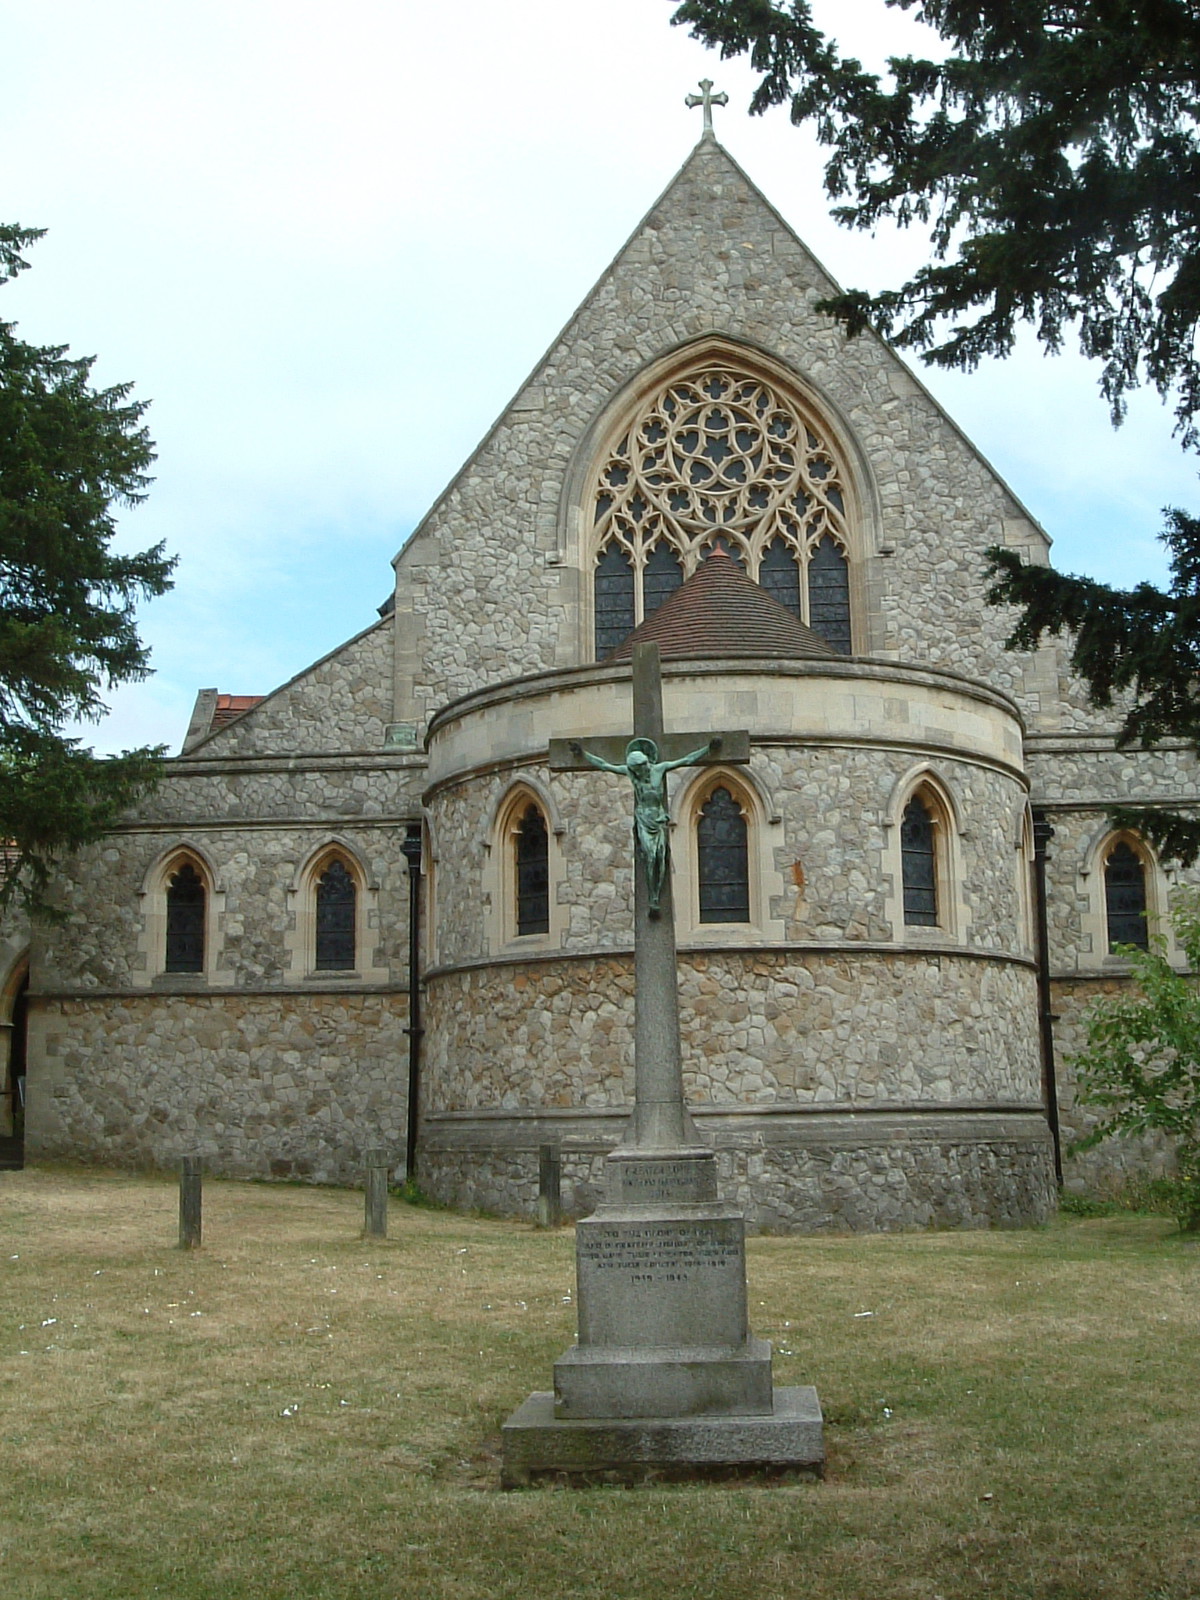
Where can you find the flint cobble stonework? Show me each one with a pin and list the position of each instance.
(266, 1085)
(795, 1026)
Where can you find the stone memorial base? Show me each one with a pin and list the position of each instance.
(666, 1377)
(536, 1442)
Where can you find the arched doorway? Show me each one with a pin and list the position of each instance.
(14, 1033)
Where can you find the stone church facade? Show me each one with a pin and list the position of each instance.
(857, 904)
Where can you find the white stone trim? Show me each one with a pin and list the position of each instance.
(300, 936)
(1093, 942)
(766, 883)
(152, 937)
(948, 836)
(500, 872)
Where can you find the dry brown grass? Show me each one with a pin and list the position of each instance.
(294, 1413)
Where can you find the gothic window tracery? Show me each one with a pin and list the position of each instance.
(721, 456)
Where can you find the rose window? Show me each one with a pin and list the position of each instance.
(720, 457)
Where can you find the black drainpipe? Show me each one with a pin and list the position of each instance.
(1042, 835)
(411, 847)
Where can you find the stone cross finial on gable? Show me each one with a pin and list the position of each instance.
(708, 100)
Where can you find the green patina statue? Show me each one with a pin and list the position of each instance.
(651, 820)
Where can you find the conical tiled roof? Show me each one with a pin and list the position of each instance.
(719, 611)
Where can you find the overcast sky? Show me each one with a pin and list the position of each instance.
(328, 243)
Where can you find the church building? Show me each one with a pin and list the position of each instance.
(374, 876)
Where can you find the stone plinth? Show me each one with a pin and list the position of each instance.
(789, 1436)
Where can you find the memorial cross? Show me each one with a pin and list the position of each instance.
(708, 100)
(660, 1118)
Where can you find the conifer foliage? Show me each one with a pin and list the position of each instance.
(1052, 150)
(70, 454)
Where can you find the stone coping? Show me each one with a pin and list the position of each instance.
(862, 668)
(835, 947)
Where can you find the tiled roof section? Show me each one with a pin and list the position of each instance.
(719, 611)
(229, 706)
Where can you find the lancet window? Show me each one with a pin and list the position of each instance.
(336, 921)
(720, 456)
(1125, 897)
(533, 873)
(186, 906)
(918, 857)
(723, 861)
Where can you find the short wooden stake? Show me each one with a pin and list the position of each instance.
(549, 1212)
(189, 1203)
(378, 1164)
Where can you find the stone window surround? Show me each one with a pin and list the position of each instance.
(1093, 944)
(300, 939)
(152, 939)
(857, 532)
(767, 886)
(948, 836)
(500, 870)
(1026, 892)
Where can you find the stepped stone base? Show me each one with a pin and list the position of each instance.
(603, 1381)
(536, 1442)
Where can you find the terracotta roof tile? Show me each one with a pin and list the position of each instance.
(719, 611)
(229, 706)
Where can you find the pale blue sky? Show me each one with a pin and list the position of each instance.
(329, 247)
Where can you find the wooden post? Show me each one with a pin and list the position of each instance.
(189, 1203)
(378, 1164)
(549, 1210)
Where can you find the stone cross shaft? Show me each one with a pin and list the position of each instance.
(660, 1118)
(708, 100)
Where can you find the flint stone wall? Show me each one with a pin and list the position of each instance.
(266, 1085)
(342, 702)
(712, 257)
(763, 1028)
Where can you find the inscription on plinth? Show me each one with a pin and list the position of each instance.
(636, 1180)
(667, 1281)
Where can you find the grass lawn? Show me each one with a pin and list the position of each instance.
(293, 1413)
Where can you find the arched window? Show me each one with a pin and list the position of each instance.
(722, 858)
(721, 454)
(533, 873)
(187, 902)
(336, 918)
(1125, 903)
(918, 858)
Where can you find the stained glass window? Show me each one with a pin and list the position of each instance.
(662, 576)
(337, 901)
(185, 921)
(720, 457)
(829, 595)
(919, 865)
(533, 874)
(723, 860)
(780, 576)
(614, 599)
(1125, 898)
